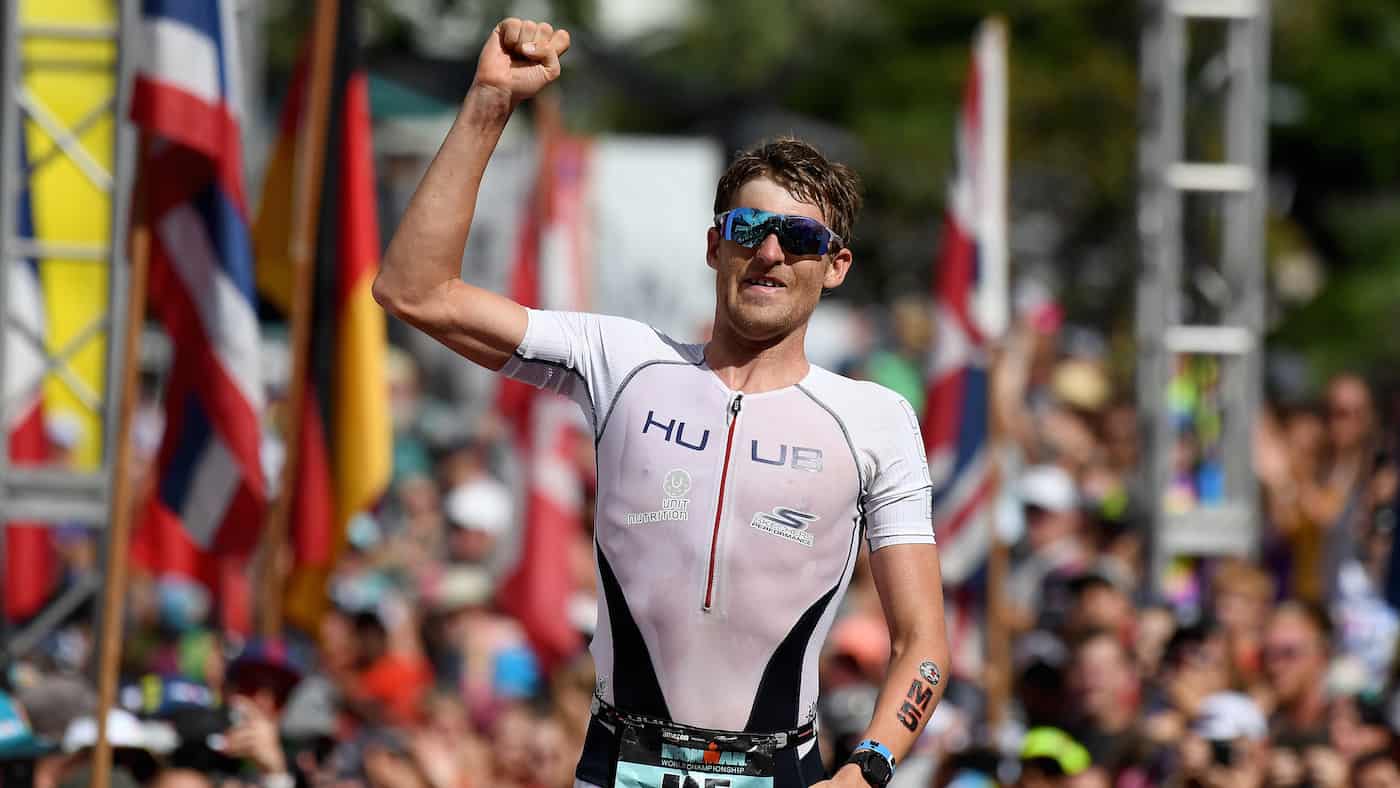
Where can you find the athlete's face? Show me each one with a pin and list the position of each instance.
(763, 294)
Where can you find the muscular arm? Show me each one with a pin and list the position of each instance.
(911, 593)
(419, 281)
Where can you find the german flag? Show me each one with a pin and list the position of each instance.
(346, 432)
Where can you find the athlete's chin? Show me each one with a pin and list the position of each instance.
(763, 325)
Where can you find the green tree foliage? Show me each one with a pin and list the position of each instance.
(1338, 146)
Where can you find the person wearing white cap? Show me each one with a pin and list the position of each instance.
(1227, 743)
(482, 511)
(134, 748)
(1053, 537)
(124, 730)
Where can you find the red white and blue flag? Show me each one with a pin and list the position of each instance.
(31, 569)
(210, 496)
(970, 311)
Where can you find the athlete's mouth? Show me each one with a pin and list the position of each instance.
(763, 281)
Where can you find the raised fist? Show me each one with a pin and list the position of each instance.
(520, 58)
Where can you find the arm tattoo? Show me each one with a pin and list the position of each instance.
(929, 670)
(916, 704)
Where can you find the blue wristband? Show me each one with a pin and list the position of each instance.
(877, 748)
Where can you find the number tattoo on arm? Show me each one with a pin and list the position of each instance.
(916, 704)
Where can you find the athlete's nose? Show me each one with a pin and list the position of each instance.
(770, 251)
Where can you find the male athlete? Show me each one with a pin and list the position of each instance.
(736, 480)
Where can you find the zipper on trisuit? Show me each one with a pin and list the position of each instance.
(719, 504)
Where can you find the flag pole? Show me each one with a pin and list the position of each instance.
(306, 204)
(992, 45)
(122, 494)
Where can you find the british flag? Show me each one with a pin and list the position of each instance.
(969, 304)
(969, 300)
(187, 97)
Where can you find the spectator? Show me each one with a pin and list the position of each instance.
(1241, 597)
(1351, 431)
(1194, 668)
(1041, 682)
(1296, 654)
(390, 686)
(482, 512)
(1050, 758)
(901, 368)
(1099, 605)
(1054, 539)
(1154, 627)
(1227, 743)
(1357, 724)
(1289, 456)
(1107, 696)
(265, 673)
(132, 753)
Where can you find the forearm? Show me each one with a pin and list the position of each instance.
(425, 253)
(906, 702)
(911, 594)
(913, 686)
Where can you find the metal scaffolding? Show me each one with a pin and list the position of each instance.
(55, 495)
(1170, 326)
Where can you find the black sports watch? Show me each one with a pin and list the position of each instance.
(875, 762)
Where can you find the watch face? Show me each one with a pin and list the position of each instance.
(875, 769)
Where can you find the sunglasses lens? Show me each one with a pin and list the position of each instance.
(748, 227)
(801, 235)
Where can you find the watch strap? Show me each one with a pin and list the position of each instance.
(878, 748)
(876, 762)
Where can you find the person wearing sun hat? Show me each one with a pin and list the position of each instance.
(1048, 755)
(266, 670)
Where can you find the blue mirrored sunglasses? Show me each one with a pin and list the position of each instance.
(800, 235)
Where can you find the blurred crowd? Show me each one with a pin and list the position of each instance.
(1277, 670)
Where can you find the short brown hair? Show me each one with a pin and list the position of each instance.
(805, 173)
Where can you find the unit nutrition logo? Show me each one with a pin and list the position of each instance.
(675, 506)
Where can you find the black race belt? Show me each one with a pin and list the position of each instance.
(728, 741)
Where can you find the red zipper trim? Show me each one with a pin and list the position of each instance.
(719, 505)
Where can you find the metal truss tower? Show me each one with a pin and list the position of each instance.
(1203, 189)
(42, 494)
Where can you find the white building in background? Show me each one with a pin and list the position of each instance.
(623, 20)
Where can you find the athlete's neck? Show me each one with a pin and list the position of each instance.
(756, 367)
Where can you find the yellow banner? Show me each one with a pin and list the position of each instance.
(70, 85)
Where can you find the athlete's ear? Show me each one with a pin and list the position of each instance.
(712, 248)
(837, 268)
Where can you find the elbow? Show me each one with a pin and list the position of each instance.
(925, 642)
(389, 297)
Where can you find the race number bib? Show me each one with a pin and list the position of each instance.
(675, 758)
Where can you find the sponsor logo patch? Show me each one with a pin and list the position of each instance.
(789, 524)
(673, 757)
(675, 506)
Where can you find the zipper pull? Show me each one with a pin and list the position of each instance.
(734, 407)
